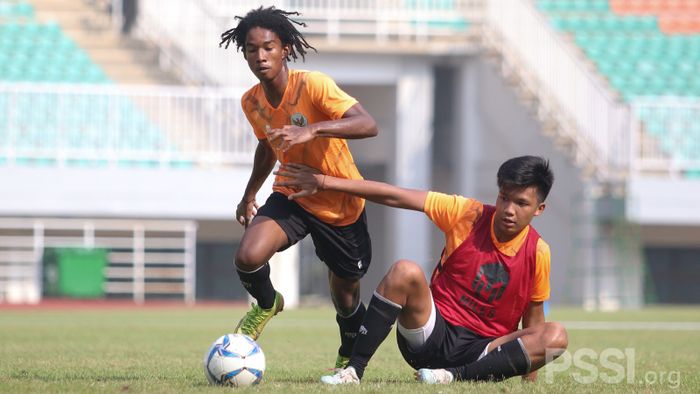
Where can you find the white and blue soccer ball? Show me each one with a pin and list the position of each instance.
(234, 360)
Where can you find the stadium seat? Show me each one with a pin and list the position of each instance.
(31, 51)
(645, 48)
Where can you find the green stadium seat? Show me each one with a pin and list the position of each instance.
(630, 50)
(23, 10)
(39, 52)
(573, 5)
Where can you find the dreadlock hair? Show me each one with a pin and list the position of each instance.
(273, 19)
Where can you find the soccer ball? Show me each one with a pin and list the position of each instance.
(234, 360)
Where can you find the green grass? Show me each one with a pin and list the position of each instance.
(160, 350)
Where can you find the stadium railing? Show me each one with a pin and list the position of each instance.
(379, 19)
(146, 258)
(574, 97)
(666, 135)
(114, 125)
(188, 34)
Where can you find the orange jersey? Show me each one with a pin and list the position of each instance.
(311, 97)
(456, 215)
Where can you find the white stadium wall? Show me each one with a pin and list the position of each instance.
(206, 194)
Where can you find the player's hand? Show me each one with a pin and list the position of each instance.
(308, 180)
(245, 211)
(288, 136)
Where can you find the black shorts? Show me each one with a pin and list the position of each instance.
(346, 250)
(448, 346)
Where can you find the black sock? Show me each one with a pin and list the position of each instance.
(379, 318)
(348, 329)
(508, 360)
(259, 285)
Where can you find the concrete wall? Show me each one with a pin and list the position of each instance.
(121, 192)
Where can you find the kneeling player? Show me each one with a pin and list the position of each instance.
(493, 274)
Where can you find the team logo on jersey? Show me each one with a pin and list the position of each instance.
(491, 281)
(298, 119)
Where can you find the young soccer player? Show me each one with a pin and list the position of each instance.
(303, 117)
(493, 274)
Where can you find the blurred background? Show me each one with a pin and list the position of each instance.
(124, 151)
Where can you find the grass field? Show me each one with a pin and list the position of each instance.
(153, 349)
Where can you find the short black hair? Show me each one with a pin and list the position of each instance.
(526, 171)
(273, 19)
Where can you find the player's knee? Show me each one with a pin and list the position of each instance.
(403, 273)
(248, 259)
(556, 336)
(345, 294)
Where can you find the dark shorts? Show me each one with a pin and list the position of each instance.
(346, 250)
(447, 346)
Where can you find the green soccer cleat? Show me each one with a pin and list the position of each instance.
(254, 321)
(341, 362)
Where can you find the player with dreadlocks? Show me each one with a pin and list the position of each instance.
(299, 117)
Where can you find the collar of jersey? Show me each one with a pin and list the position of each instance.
(290, 74)
(509, 248)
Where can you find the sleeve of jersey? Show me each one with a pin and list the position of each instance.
(247, 111)
(541, 289)
(446, 210)
(327, 96)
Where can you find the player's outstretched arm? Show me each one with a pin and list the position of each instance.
(310, 181)
(356, 123)
(263, 164)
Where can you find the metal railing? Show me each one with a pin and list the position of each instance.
(379, 20)
(594, 120)
(666, 136)
(147, 258)
(421, 9)
(110, 125)
(188, 35)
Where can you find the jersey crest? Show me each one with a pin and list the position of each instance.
(298, 119)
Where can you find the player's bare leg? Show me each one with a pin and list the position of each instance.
(350, 312)
(405, 285)
(403, 293)
(261, 240)
(538, 340)
(518, 353)
(345, 293)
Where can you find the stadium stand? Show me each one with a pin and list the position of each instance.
(645, 49)
(40, 52)
(37, 123)
(674, 17)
